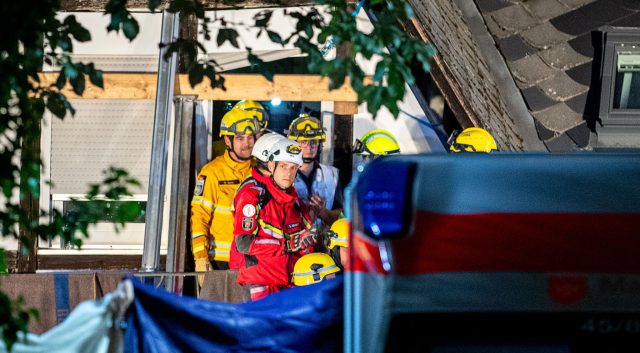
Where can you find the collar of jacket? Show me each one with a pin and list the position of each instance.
(233, 164)
(263, 179)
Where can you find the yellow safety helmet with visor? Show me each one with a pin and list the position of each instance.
(239, 122)
(260, 113)
(306, 127)
(376, 143)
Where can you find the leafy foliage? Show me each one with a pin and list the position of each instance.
(32, 35)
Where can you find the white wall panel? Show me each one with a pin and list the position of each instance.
(103, 133)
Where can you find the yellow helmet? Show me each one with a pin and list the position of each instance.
(259, 112)
(305, 127)
(377, 143)
(313, 268)
(472, 139)
(339, 234)
(239, 122)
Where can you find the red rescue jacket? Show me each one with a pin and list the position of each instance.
(264, 217)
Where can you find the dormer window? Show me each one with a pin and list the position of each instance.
(619, 125)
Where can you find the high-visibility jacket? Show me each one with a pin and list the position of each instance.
(265, 216)
(211, 218)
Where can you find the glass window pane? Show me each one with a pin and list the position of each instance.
(627, 84)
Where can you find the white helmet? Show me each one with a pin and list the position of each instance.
(262, 147)
(286, 150)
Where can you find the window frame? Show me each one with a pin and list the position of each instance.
(616, 40)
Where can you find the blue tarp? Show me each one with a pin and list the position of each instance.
(301, 319)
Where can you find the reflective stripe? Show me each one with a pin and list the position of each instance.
(271, 230)
(219, 252)
(198, 248)
(340, 239)
(197, 235)
(273, 233)
(219, 244)
(222, 209)
(199, 200)
(267, 241)
(311, 273)
(255, 290)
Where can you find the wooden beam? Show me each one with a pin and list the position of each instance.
(345, 108)
(98, 5)
(296, 88)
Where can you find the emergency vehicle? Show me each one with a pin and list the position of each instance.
(495, 253)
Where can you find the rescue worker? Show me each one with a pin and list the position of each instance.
(472, 139)
(317, 184)
(272, 228)
(211, 219)
(258, 112)
(376, 143)
(338, 241)
(313, 268)
(259, 175)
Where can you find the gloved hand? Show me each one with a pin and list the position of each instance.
(309, 238)
(202, 265)
(302, 241)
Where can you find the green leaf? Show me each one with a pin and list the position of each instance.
(95, 76)
(227, 34)
(3, 261)
(196, 74)
(78, 32)
(70, 71)
(55, 104)
(153, 4)
(262, 18)
(61, 81)
(130, 28)
(275, 37)
(78, 84)
(258, 66)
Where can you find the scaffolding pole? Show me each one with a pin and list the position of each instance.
(160, 145)
(180, 174)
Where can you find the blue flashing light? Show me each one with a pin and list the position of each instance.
(386, 207)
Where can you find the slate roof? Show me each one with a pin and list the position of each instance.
(547, 45)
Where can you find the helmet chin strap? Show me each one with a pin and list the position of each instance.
(232, 150)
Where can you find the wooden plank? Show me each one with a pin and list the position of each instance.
(84, 262)
(296, 88)
(345, 108)
(93, 262)
(98, 5)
